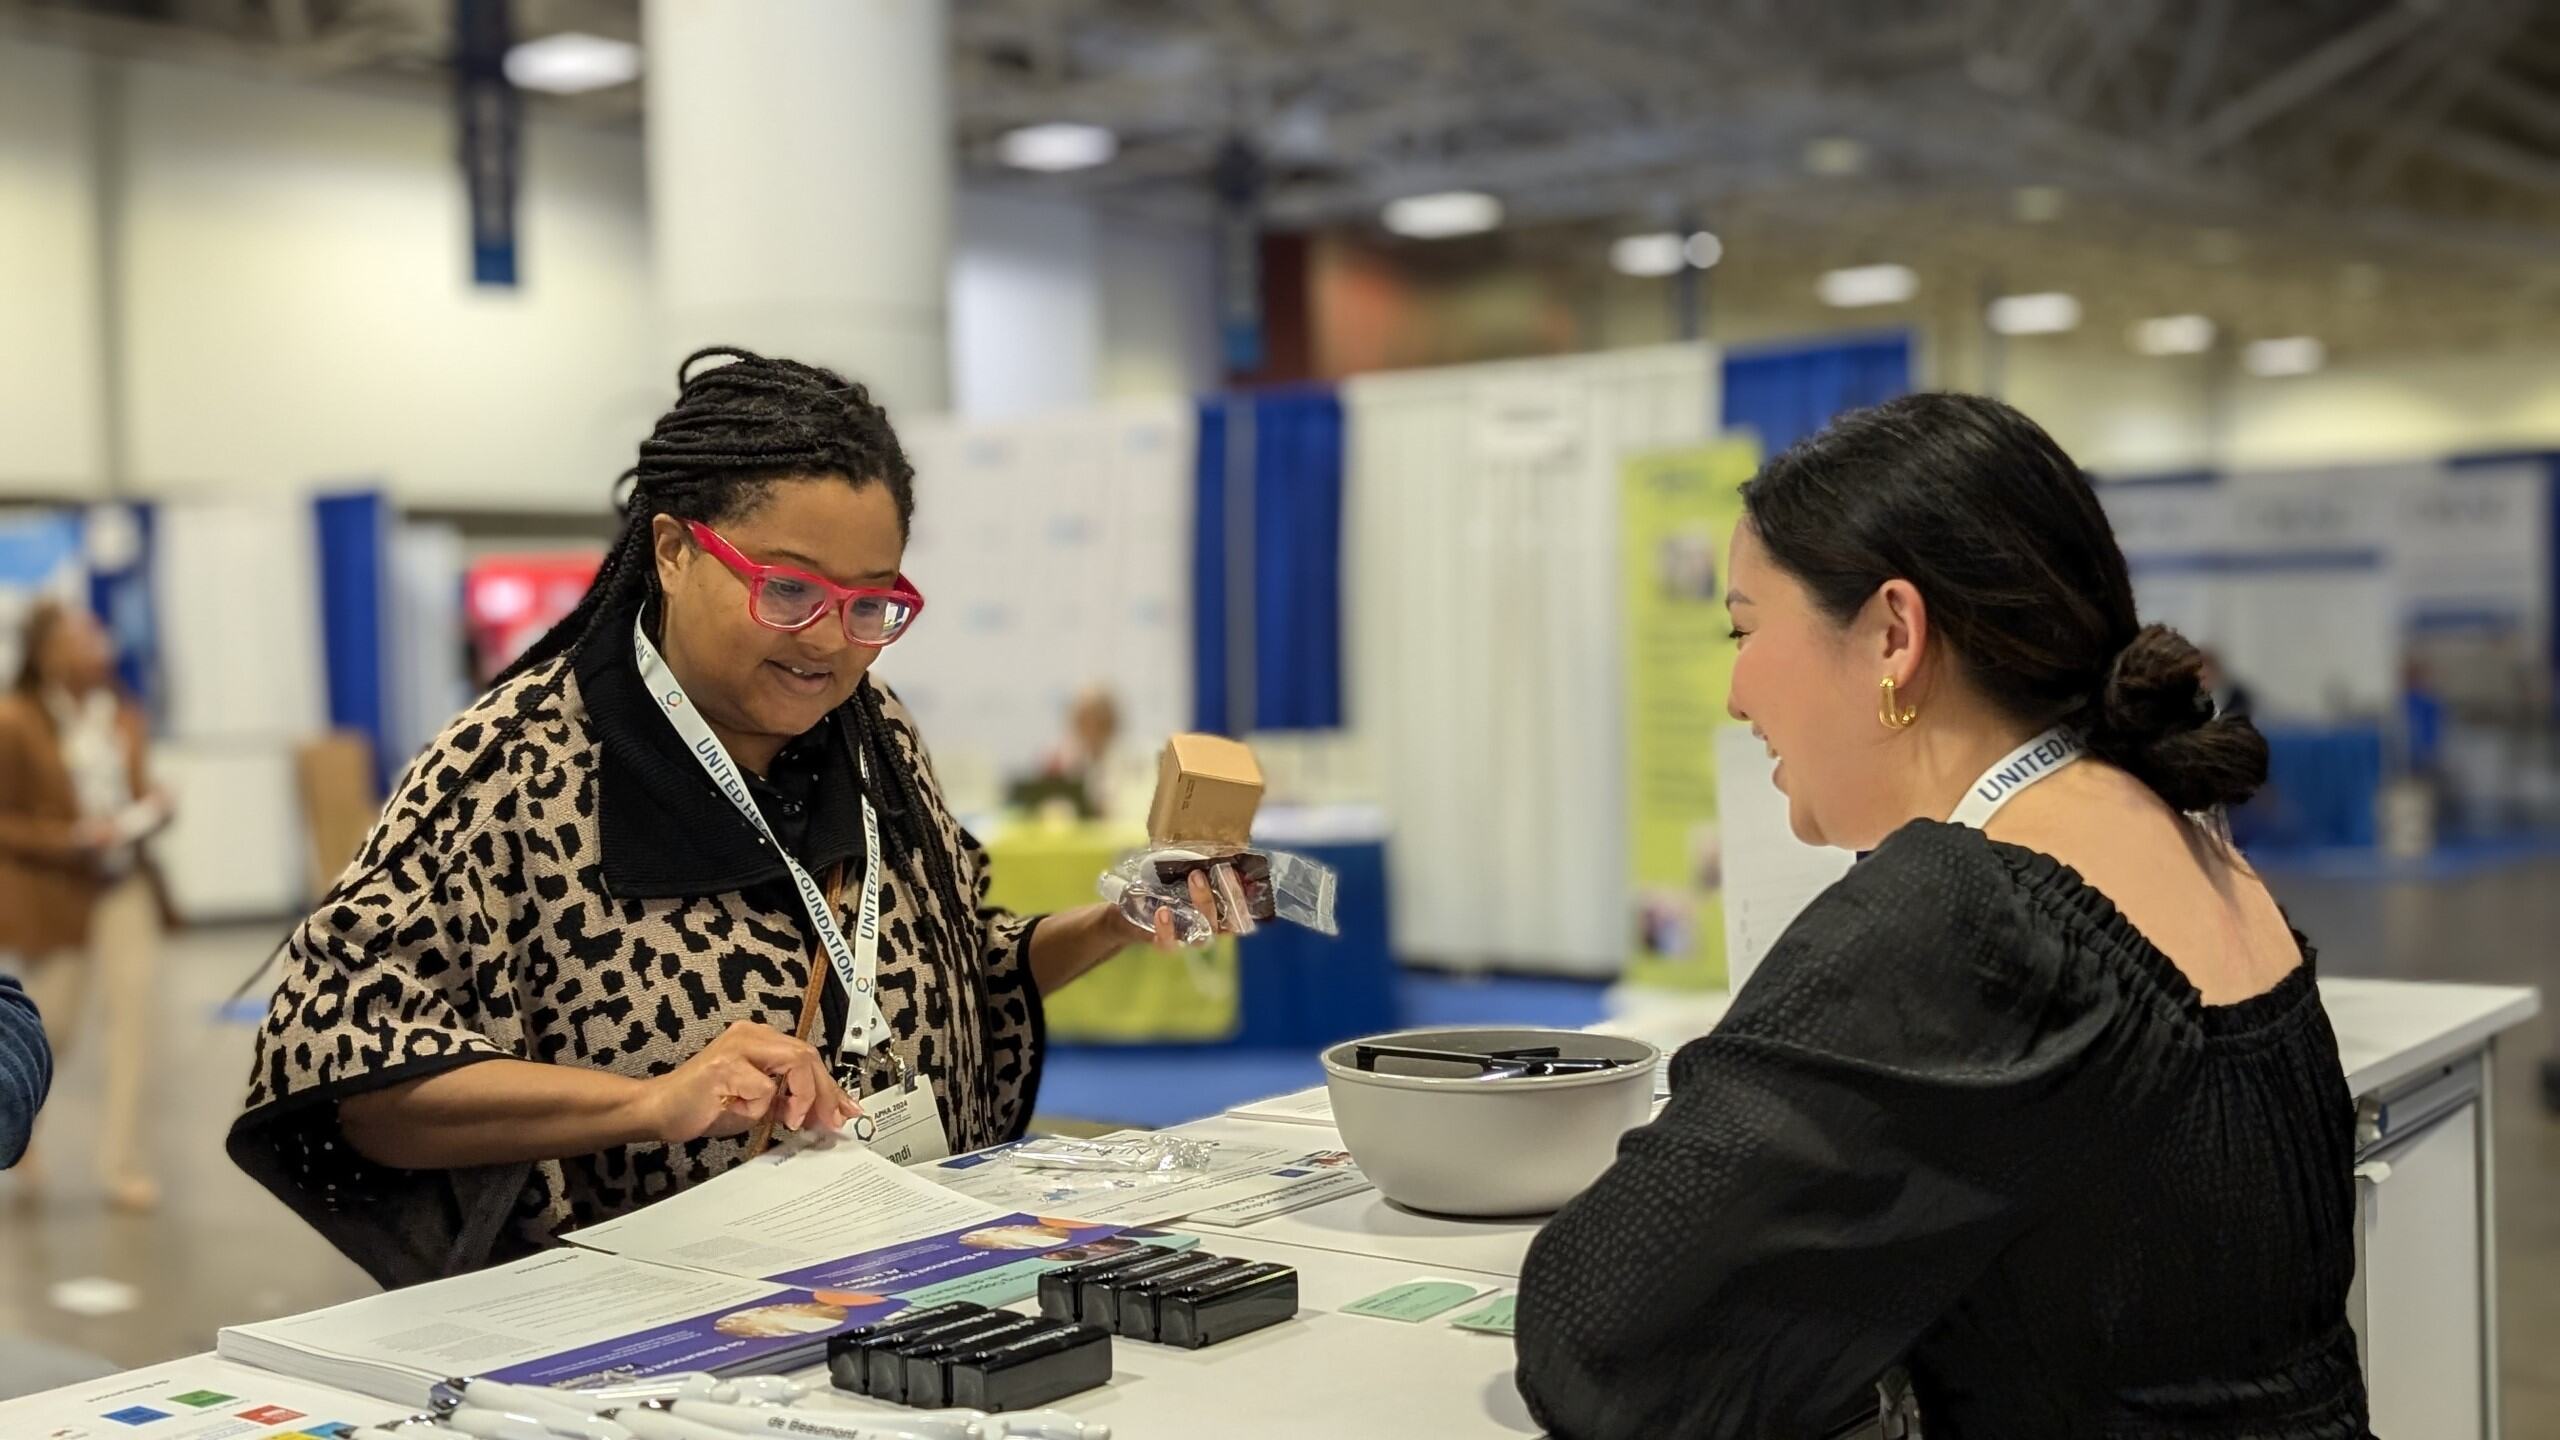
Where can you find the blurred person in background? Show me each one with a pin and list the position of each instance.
(79, 911)
(1077, 773)
(2038, 1104)
(604, 937)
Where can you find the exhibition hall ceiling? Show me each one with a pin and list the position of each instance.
(2352, 148)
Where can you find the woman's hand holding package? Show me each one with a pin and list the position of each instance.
(1167, 932)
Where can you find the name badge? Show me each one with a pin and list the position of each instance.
(902, 1122)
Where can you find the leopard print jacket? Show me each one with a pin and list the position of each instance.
(477, 923)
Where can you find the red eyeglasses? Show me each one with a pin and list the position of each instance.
(781, 598)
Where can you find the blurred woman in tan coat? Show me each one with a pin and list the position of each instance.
(79, 915)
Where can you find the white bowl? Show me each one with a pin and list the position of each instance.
(1433, 1138)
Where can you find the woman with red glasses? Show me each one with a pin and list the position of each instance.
(680, 879)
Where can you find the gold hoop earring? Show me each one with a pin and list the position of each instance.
(1890, 711)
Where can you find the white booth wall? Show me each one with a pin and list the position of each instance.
(1055, 556)
(1485, 671)
(2311, 582)
(246, 687)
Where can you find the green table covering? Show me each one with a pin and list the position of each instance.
(1138, 997)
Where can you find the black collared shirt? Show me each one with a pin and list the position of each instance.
(668, 832)
(787, 792)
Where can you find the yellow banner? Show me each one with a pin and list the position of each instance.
(1677, 513)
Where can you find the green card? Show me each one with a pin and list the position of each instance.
(1415, 1300)
(1493, 1319)
(1021, 1280)
(202, 1399)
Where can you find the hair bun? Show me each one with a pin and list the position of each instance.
(2155, 688)
(2153, 718)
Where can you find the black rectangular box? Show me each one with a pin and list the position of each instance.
(884, 1364)
(1228, 1304)
(1059, 1289)
(848, 1353)
(1136, 1318)
(1098, 1295)
(927, 1385)
(1062, 1360)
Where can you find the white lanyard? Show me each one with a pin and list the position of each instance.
(856, 966)
(2053, 750)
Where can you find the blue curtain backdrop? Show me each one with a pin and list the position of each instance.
(1782, 393)
(1267, 562)
(354, 532)
(2324, 783)
(122, 598)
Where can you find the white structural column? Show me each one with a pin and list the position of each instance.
(800, 180)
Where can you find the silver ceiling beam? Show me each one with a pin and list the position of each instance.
(2303, 81)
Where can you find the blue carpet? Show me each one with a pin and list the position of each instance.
(1158, 1085)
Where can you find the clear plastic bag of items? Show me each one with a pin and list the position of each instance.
(1248, 889)
(1152, 1155)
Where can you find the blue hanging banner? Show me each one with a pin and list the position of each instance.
(1266, 569)
(492, 116)
(354, 535)
(117, 538)
(1238, 179)
(1782, 393)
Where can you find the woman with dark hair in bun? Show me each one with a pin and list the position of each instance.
(2037, 1109)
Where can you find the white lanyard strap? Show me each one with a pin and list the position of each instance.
(856, 965)
(2040, 757)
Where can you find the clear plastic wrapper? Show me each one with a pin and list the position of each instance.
(1247, 888)
(1302, 892)
(1153, 1155)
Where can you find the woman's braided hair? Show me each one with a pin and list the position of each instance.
(735, 430)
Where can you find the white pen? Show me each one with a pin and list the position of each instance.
(923, 1424)
(516, 1425)
(699, 1385)
(574, 1421)
(804, 1423)
(651, 1424)
(557, 1407)
(758, 1390)
(1045, 1425)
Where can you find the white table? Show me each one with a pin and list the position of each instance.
(2427, 1300)
(1367, 1224)
(2417, 1059)
(1324, 1373)
(2415, 1052)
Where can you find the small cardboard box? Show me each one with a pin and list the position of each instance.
(1207, 789)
